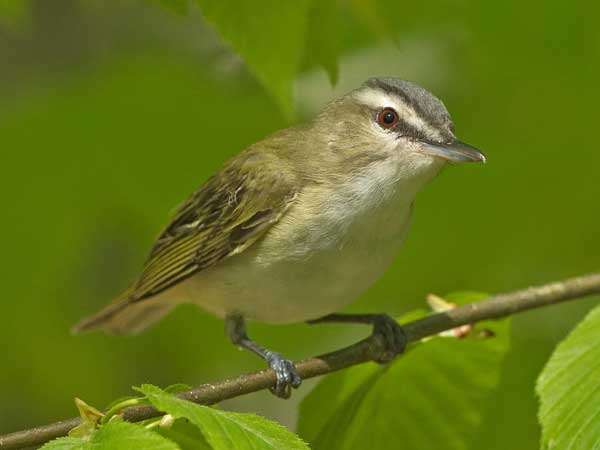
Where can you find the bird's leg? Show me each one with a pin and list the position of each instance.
(287, 377)
(384, 325)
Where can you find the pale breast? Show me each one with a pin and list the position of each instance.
(327, 250)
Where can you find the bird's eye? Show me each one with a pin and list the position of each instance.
(387, 118)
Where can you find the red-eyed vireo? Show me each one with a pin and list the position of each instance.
(298, 225)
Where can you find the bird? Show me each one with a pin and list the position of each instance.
(298, 225)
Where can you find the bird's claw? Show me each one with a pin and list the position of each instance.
(287, 377)
(394, 335)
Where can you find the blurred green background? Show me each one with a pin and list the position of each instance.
(112, 113)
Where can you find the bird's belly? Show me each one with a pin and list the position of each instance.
(318, 278)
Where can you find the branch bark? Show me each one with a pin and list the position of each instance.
(369, 349)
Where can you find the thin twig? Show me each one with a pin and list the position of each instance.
(369, 349)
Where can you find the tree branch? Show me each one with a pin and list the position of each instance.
(369, 349)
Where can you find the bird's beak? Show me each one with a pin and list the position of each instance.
(455, 151)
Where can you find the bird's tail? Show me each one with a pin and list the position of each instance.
(127, 315)
(104, 316)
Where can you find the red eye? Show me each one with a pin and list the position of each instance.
(387, 118)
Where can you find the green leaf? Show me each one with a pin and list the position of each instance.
(569, 392)
(125, 435)
(430, 397)
(225, 430)
(378, 16)
(66, 443)
(114, 435)
(186, 435)
(268, 34)
(323, 37)
(120, 400)
(90, 417)
(177, 388)
(347, 390)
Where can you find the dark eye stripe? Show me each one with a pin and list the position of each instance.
(416, 107)
(405, 98)
(403, 128)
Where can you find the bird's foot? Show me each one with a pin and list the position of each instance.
(394, 335)
(287, 377)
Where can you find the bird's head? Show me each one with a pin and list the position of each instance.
(395, 120)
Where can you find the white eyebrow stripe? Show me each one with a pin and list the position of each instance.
(377, 99)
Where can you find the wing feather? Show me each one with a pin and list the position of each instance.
(230, 212)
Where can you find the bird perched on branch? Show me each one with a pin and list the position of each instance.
(298, 225)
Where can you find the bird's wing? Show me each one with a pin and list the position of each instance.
(230, 212)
